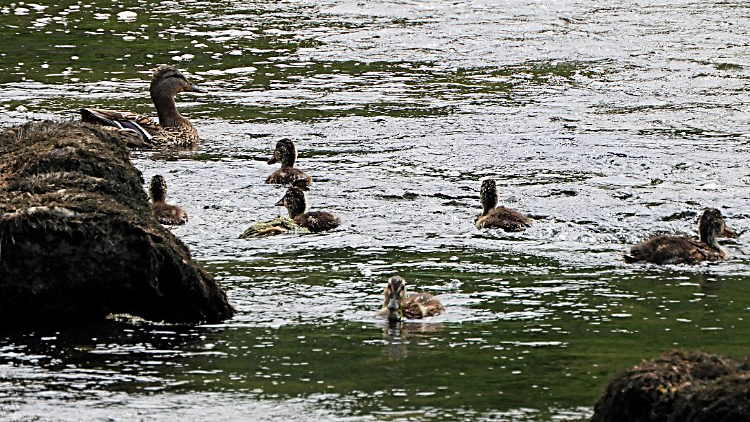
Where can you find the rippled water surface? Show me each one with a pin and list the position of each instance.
(606, 121)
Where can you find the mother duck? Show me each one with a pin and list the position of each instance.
(173, 129)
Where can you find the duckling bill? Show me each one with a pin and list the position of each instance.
(498, 217)
(397, 304)
(682, 249)
(165, 213)
(315, 221)
(286, 152)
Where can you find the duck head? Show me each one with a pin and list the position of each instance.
(711, 225)
(294, 201)
(488, 195)
(395, 292)
(158, 189)
(168, 81)
(286, 152)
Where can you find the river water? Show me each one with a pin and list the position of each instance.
(606, 121)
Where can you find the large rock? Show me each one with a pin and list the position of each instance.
(678, 386)
(77, 237)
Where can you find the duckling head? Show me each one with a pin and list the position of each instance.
(168, 81)
(286, 152)
(711, 225)
(294, 201)
(488, 195)
(395, 292)
(158, 188)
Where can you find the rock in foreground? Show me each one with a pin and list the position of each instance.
(679, 386)
(78, 239)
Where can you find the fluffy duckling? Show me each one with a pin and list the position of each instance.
(397, 304)
(682, 249)
(172, 129)
(286, 152)
(165, 213)
(498, 217)
(315, 221)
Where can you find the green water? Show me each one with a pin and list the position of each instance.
(607, 123)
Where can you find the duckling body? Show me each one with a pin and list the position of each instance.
(501, 217)
(165, 213)
(315, 221)
(172, 130)
(286, 153)
(398, 304)
(682, 249)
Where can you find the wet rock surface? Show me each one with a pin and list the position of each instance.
(679, 386)
(78, 239)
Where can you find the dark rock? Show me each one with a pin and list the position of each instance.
(78, 239)
(678, 386)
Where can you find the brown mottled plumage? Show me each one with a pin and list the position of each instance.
(498, 217)
(398, 304)
(316, 221)
(286, 152)
(172, 130)
(165, 213)
(682, 249)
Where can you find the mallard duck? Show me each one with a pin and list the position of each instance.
(173, 129)
(315, 221)
(397, 304)
(498, 217)
(165, 213)
(286, 152)
(682, 249)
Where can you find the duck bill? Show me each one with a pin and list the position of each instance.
(393, 310)
(195, 88)
(281, 203)
(727, 232)
(273, 160)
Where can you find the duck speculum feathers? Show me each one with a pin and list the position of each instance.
(286, 153)
(398, 304)
(166, 214)
(172, 130)
(316, 221)
(500, 217)
(685, 250)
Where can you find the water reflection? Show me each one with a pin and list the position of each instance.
(399, 336)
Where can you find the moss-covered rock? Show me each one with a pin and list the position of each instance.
(278, 225)
(678, 386)
(78, 239)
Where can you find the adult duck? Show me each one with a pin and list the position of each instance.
(286, 152)
(166, 214)
(685, 250)
(397, 304)
(316, 221)
(172, 130)
(498, 217)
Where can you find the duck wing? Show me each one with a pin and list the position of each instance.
(290, 176)
(142, 125)
(507, 219)
(421, 305)
(672, 250)
(318, 221)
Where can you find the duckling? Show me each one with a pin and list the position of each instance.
(286, 152)
(173, 129)
(498, 217)
(315, 221)
(165, 213)
(682, 249)
(397, 304)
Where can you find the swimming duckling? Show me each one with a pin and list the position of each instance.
(172, 130)
(397, 304)
(165, 213)
(498, 217)
(315, 221)
(286, 152)
(682, 249)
